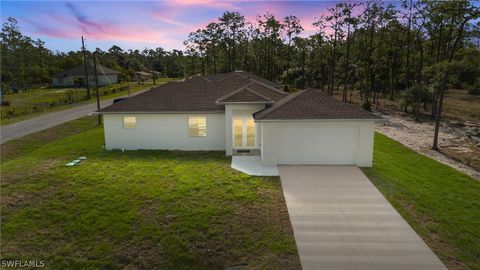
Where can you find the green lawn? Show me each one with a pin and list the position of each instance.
(138, 209)
(38, 101)
(440, 203)
(19, 147)
(179, 210)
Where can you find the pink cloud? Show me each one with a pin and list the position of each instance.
(60, 26)
(204, 3)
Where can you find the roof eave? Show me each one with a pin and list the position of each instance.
(158, 112)
(376, 120)
(243, 102)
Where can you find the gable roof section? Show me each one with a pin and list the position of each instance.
(312, 104)
(244, 95)
(179, 97)
(253, 92)
(270, 92)
(80, 71)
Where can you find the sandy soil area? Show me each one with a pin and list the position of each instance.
(455, 141)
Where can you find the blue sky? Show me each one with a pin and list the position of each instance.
(140, 24)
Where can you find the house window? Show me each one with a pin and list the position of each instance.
(129, 122)
(197, 126)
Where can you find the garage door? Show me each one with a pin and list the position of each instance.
(298, 143)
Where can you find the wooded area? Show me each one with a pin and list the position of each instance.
(417, 47)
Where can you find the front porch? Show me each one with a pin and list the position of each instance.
(252, 165)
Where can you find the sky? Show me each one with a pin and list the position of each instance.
(139, 24)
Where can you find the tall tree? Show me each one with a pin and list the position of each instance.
(292, 28)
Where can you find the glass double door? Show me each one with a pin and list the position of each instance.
(244, 134)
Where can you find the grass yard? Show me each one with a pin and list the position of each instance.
(138, 209)
(29, 143)
(38, 101)
(440, 203)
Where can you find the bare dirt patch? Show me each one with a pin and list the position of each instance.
(458, 143)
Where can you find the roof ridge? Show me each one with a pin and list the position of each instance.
(227, 95)
(285, 100)
(256, 93)
(259, 82)
(230, 76)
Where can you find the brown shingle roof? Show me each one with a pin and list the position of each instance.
(244, 94)
(194, 95)
(267, 91)
(180, 96)
(312, 104)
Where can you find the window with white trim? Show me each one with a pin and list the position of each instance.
(197, 126)
(129, 122)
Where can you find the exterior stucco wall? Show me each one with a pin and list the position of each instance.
(232, 110)
(163, 131)
(320, 142)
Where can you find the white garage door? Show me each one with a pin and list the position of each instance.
(298, 143)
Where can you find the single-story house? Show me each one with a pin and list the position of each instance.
(237, 112)
(142, 75)
(76, 76)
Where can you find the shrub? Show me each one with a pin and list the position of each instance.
(474, 91)
(36, 108)
(69, 96)
(11, 112)
(411, 94)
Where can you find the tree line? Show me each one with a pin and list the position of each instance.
(26, 62)
(375, 47)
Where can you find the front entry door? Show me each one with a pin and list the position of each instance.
(243, 132)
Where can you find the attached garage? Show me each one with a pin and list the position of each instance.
(314, 144)
(317, 142)
(310, 128)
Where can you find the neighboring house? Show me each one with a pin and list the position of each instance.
(238, 112)
(142, 75)
(76, 76)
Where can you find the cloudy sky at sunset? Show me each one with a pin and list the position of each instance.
(136, 25)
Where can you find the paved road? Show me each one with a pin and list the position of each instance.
(20, 129)
(341, 221)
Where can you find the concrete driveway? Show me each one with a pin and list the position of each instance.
(341, 221)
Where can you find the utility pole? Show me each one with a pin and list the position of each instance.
(153, 75)
(86, 70)
(96, 86)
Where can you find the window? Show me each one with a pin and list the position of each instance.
(237, 132)
(129, 122)
(197, 126)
